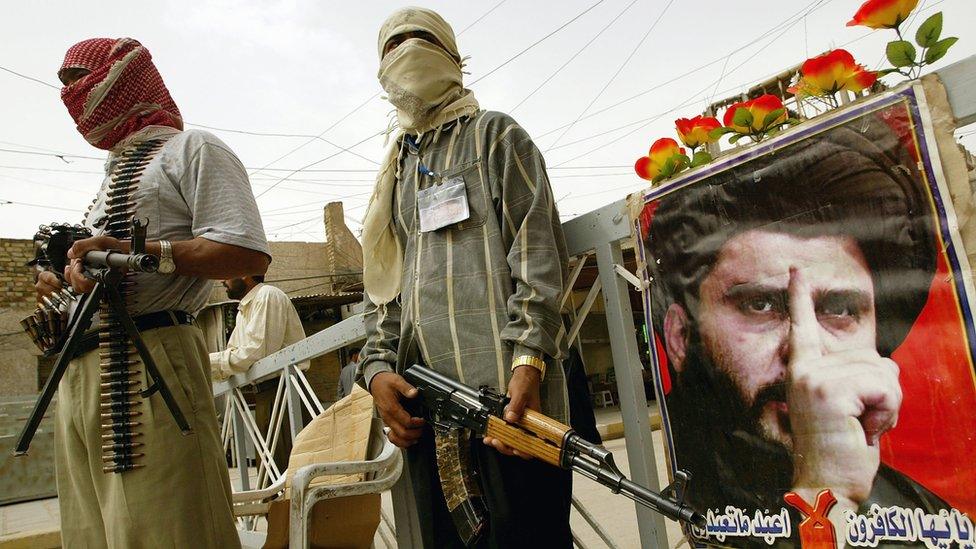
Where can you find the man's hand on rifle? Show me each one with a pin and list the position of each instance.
(74, 273)
(387, 389)
(46, 285)
(523, 389)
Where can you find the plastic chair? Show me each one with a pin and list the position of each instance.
(381, 470)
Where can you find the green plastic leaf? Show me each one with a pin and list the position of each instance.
(939, 49)
(773, 132)
(735, 138)
(742, 117)
(667, 170)
(928, 34)
(792, 121)
(772, 116)
(719, 132)
(885, 72)
(901, 53)
(700, 158)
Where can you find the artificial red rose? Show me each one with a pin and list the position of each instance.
(882, 14)
(650, 167)
(833, 71)
(759, 108)
(694, 132)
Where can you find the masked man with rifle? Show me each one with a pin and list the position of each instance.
(127, 476)
(464, 264)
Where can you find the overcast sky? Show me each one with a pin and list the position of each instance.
(299, 67)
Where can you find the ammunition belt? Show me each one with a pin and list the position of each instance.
(121, 368)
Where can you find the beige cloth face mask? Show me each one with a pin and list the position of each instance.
(419, 78)
(424, 83)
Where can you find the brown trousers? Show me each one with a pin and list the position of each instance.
(182, 497)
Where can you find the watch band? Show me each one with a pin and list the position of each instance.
(166, 263)
(532, 361)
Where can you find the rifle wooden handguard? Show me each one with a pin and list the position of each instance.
(536, 435)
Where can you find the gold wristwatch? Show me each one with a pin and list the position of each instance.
(529, 360)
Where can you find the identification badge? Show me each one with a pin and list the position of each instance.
(442, 204)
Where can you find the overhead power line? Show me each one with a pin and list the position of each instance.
(478, 20)
(616, 73)
(313, 137)
(537, 42)
(4, 202)
(64, 157)
(810, 9)
(683, 75)
(31, 78)
(573, 57)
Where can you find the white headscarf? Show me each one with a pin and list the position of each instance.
(424, 83)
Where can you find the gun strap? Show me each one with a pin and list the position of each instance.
(459, 482)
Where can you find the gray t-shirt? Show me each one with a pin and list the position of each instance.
(194, 186)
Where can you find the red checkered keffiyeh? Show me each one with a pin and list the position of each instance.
(122, 94)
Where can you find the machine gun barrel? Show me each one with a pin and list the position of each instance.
(450, 402)
(143, 263)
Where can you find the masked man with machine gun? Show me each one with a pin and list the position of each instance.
(138, 452)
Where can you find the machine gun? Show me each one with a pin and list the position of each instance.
(454, 408)
(107, 269)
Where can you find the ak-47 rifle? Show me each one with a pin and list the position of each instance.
(454, 409)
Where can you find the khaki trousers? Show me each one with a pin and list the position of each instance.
(181, 498)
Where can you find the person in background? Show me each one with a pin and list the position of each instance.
(266, 323)
(347, 377)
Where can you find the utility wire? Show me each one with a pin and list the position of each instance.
(615, 74)
(339, 121)
(478, 20)
(372, 171)
(489, 73)
(574, 56)
(4, 202)
(683, 75)
(63, 157)
(313, 137)
(31, 78)
(812, 7)
(319, 161)
(536, 43)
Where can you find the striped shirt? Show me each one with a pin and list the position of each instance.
(478, 292)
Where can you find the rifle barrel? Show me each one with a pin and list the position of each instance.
(667, 507)
(143, 263)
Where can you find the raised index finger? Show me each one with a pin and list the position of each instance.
(804, 327)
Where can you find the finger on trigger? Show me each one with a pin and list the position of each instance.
(804, 327)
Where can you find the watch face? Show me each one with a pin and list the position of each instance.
(166, 266)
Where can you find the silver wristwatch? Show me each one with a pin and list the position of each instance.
(166, 263)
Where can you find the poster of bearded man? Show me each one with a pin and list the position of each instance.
(810, 301)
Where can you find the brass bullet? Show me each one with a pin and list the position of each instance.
(120, 416)
(121, 446)
(121, 425)
(119, 385)
(121, 437)
(122, 469)
(117, 395)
